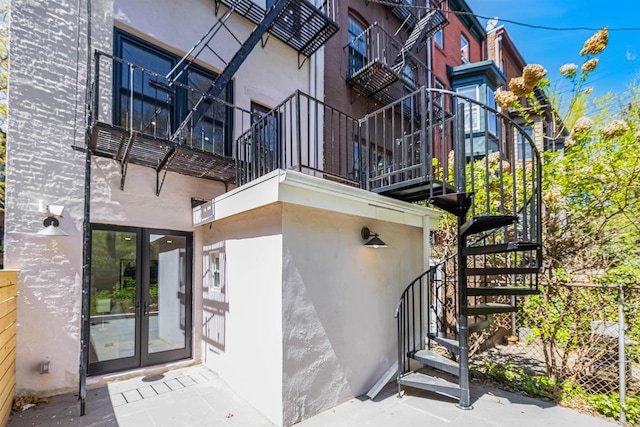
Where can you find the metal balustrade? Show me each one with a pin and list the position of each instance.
(304, 134)
(135, 113)
(375, 61)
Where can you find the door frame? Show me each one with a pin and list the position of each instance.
(142, 357)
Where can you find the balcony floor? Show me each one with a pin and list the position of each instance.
(301, 25)
(111, 141)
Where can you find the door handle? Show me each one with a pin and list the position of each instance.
(146, 308)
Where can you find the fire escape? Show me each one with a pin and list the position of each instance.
(150, 132)
(377, 59)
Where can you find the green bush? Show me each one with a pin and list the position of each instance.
(541, 386)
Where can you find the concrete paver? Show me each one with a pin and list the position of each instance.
(195, 396)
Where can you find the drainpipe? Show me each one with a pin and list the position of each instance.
(497, 53)
(86, 225)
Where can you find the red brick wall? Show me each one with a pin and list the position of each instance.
(337, 92)
(449, 54)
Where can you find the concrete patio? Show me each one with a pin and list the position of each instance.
(195, 396)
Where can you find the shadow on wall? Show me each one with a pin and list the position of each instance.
(215, 305)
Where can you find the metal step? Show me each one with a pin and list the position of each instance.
(455, 203)
(489, 308)
(415, 190)
(437, 361)
(501, 248)
(430, 383)
(448, 341)
(502, 290)
(475, 324)
(478, 224)
(499, 271)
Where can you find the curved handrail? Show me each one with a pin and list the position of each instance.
(493, 111)
(430, 270)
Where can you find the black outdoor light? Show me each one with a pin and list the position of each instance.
(375, 241)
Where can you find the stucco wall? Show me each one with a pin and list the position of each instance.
(46, 117)
(45, 91)
(267, 76)
(339, 297)
(241, 324)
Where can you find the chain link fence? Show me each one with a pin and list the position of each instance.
(585, 335)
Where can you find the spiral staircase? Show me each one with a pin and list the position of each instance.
(490, 184)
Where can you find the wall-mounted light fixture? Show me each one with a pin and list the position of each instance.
(375, 241)
(51, 222)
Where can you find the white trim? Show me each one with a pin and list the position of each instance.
(286, 186)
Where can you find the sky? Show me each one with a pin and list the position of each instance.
(619, 64)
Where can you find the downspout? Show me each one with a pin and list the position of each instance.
(86, 225)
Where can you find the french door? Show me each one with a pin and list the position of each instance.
(140, 297)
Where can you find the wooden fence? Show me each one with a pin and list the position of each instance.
(8, 300)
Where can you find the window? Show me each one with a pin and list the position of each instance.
(464, 49)
(525, 150)
(266, 136)
(492, 125)
(409, 76)
(215, 275)
(357, 45)
(471, 111)
(381, 162)
(144, 101)
(438, 38)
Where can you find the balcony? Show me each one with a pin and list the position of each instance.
(301, 25)
(304, 134)
(404, 11)
(383, 67)
(135, 115)
(375, 63)
(404, 150)
(382, 152)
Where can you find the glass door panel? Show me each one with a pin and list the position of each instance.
(167, 292)
(114, 297)
(140, 297)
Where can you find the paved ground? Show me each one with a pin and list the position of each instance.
(195, 396)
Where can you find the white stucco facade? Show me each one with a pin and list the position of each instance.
(307, 317)
(47, 118)
(288, 305)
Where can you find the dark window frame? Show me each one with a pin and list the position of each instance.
(270, 148)
(465, 55)
(179, 104)
(357, 53)
(143, 358)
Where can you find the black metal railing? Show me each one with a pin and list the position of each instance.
(304, 134)
(303, 25)
(375, 61)
(428, 305)
(454, 143)
(137, 100)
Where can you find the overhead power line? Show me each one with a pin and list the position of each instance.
(510, 21)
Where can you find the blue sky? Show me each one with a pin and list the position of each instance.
(619, 64)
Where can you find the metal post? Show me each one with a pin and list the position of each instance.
(621, 354)
(463, 330)
(513, 316)
(86, 260)
(298, 131)
(92, 114)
